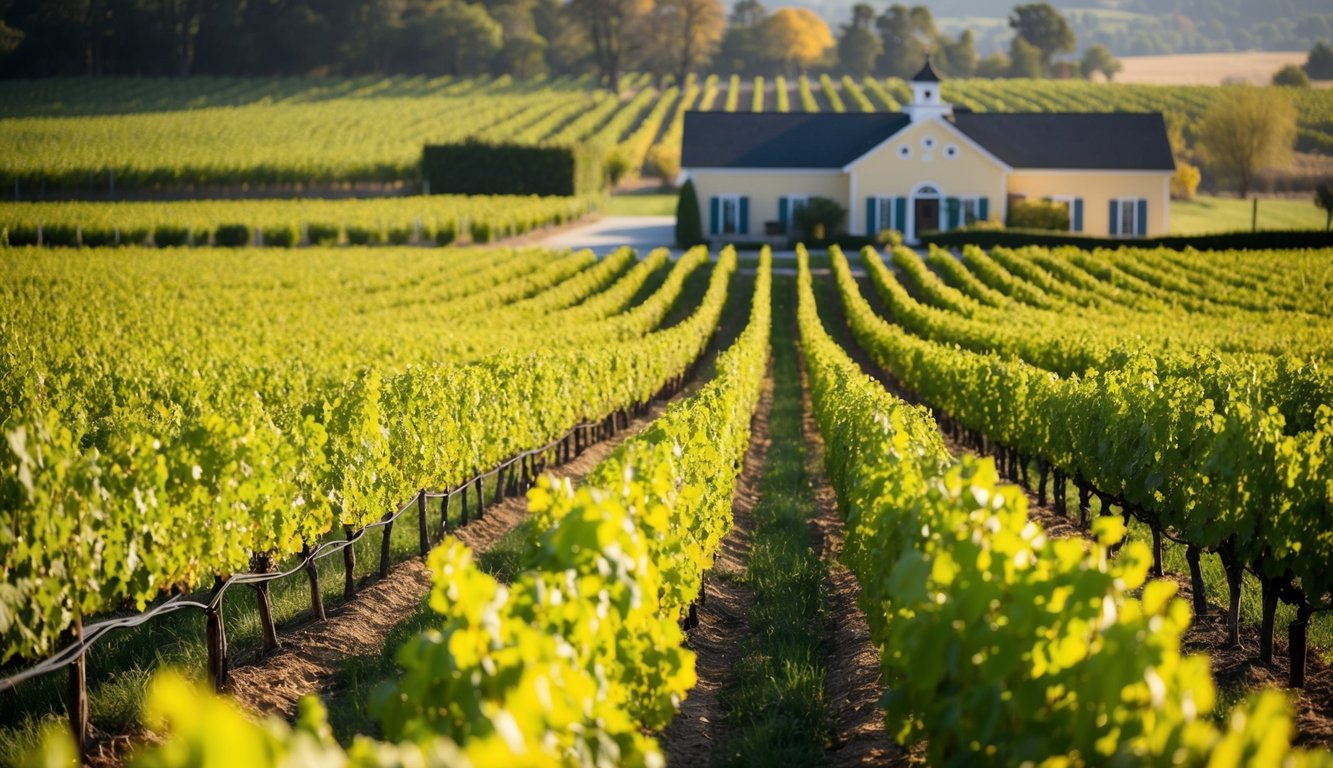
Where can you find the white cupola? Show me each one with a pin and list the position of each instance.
(926, 102)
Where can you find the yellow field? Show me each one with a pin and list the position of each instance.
(1209, 68)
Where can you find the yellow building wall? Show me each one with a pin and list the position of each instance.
(884, 173)
(763, 188)
(1097, 190)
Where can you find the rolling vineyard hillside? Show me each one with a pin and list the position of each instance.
(194, 419)
(100, 137)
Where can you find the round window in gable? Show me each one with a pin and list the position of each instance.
(904, 151)
(951, 151)
(928, 142)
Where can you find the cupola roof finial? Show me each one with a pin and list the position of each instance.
(927, 73)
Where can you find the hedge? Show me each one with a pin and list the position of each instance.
(1225, 241)
(477, 168)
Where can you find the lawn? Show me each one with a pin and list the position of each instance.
(649, 203)
(1225, 214)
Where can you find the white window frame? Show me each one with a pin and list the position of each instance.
(969, 210)
(884, 213)
(792, 200)
(722, 202)
(1068, 200)
(1128, 226)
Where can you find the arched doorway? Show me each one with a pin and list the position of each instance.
(925, 208)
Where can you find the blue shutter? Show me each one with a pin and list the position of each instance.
(782, 213)
(1115, 219)
(745, 216)
(1078, 214)
(872, 226)
(1143, 218)
(954, 207)
(983, 209)
(900, 214)
(714, 215)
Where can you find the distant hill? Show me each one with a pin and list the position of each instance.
(1135, 27)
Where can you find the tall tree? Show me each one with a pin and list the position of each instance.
(906, 35)
(1246, 130)
(1024, 59)
(859, 46)
(742, 49)
(608, 23)
(1098, 58)
(693, 28)
(1319, 64)
(1044, 28)
(796, 36)
(959, 57)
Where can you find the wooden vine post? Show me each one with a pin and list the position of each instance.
(263, 563)
(349, 565)
(423, 538)
(77, 694)
(216, 631)
(316, 594)
(386, 545)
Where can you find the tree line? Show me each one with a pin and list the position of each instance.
(523, 38)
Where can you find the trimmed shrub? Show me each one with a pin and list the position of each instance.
(1039, 214)
(60, 234)
(820, 220)
(321, 234)
(400, 235)
(99, 237)
(169, 235)
(479, 231)
(358, 235)
(232, 235)
(20, 234)
(446, 232)
(689, 221)
(281, 236)
(1185, 181)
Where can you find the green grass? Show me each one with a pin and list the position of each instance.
(1205, 215)
(775, 698)
(121, 666)
(649, 203)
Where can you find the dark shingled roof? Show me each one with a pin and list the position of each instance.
(926, 75)
(1094, 141)
(783, 139)
(1101, 141)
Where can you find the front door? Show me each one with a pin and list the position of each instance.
(927, 215)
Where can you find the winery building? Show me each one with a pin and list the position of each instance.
(929, 167)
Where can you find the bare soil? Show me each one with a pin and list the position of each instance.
(693, 736)
(853, 687)
(311, 657)
(1256, 67)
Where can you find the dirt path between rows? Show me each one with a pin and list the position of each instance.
(852, 684)
(692, 739)
(312, 655)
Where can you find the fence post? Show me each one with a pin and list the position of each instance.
(386, 553)
(77, 693)
(216, 631)
(316, 594)
(349, 565)
(424, 542)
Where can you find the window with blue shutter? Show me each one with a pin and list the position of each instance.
(714, 215)
(1077, 223)
(983, 209)
(872, 213)
(1115, 218)
(782, 214)
(953, 214)
(900, 214)
(1141, 226)
(745, 216)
